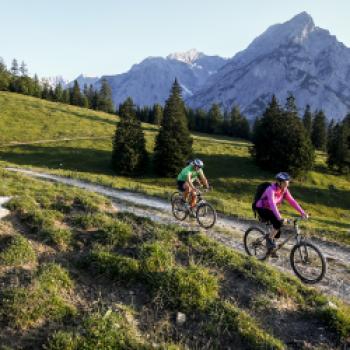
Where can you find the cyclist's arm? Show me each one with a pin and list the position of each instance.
(270, 194)
(203, 179)
(189, 181)
(294, 203)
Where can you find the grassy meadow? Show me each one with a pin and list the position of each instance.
(231, 171)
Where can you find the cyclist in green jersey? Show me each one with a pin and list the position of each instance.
(192, 172)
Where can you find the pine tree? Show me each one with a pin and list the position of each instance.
(201, 120)
(45, 93)
(338, 147)
(23, 69)
(58, 93)
(239, 126)
(318, 135)
(4, 76)
(75, 94)
(280, 141)
(129, 155)
(291, 107)
(37, 90)
(14, 68)
(105, 102)
(66, 96)
(157, 114)
(173, 143)
(307, 120)
(90, 93)
(215, 119)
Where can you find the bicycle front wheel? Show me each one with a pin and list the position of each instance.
(255, 243)
(307, 262)
(206, 215)
(179, 208)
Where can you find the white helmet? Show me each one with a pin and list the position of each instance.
(282, 176)
(197, 162)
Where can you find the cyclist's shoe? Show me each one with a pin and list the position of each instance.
(192, 212)
(271, 247)
(274, 254)
(270, 244)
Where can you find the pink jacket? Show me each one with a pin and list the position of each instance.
(273, 196)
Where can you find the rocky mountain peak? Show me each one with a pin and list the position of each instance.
(188, 57)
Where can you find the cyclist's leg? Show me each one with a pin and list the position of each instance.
(186, 191)
(181, 188)
(193, 195)
(267, 215)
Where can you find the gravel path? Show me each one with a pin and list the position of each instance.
(229, 231)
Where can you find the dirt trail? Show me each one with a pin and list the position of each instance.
(228, 231)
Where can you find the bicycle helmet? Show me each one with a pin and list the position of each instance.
(282, 176)
(197, 162)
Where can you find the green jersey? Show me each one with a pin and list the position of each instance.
(189, 170)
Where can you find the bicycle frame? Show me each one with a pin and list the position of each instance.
(297, 235)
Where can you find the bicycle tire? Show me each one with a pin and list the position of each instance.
(178, 206)
(262, 235)
(174, 195)
(201, 207)
(322, 260)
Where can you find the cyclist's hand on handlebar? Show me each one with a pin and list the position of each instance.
(305, 216)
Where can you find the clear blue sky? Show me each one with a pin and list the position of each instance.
(69, 37)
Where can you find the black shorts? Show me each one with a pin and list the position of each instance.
(267, 215)
(180, 185)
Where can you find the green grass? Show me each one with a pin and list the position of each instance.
(18, 251)
(167, 270)
(42, 221)
(24, 307)
(103, 332)
(230, 169)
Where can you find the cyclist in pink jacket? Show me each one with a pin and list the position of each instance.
(267, 208)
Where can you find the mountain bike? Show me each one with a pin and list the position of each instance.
(307, 261)
(204, 212)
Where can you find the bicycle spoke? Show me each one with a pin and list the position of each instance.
(206, 215)
(179, 210)
(308, 262)
(255, 243)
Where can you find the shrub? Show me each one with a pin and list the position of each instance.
(226, 318)
(100, 332)
(19, 251)
(190, 288)
(117, 266)
(23, 307)
(156, 257)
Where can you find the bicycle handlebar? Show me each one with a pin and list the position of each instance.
(294, 221)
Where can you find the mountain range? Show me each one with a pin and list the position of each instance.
(295, 57)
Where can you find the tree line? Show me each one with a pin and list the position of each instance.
(282, 140)
(16, 79)
(230, 123)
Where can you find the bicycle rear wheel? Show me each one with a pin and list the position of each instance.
(175, 195)
(307, 262)
(255, 243)
(179, 209)
(206, 215)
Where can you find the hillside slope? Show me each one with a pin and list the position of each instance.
(230, 169)
(75, 273)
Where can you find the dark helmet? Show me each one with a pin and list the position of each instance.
(282, 176)
(197, 162)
